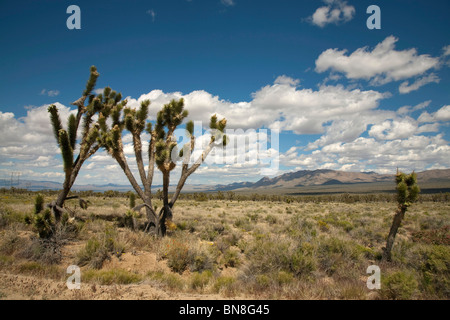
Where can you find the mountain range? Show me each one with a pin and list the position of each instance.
(298, 182)
(324, 181)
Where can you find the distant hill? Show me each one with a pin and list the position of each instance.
(326, 181)
(34, 185)
(298, 182)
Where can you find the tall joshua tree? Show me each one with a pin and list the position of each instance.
(162, 153)
(101, 105)
(407, 194)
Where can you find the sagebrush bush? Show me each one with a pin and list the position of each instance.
(269, 255)
(400, 285)
(99, 249)
(336, 254)
(200, 280)
(231, 258)
(183, 254)
(43, 250)
(171, 280)
(225, 284)
(11, 242)
(433, 262)
(177, 255)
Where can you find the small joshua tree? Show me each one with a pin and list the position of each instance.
(101, 105)
(162, 147)
(132, 200)
(38, 203)
(407, 194)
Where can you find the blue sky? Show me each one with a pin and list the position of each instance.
(339, 102)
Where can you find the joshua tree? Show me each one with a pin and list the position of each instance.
(407, 193)
(162, 152)
(101, 105)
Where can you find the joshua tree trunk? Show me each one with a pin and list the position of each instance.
(57, 207)
(407, 193)
(398, 218)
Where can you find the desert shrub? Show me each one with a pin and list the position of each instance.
(99, 249)
(93, 254)
(228, 240)
(269, 255)
(201, 280)
(323, 226)
(400, 285)
(433, 261)
(203, 257)
(303, 261)
(10, 217)
(262, 281)
(186, 253)
(171, 280)
(6, 261)
(11, 242)
(301, 227)
(108, 277)
(253, 217)
(337, 254)
(284, 278)
(346, 225)
(182, 225)
(433, 236)
(211, 232)
(270, 219)
(46, 251)
(231, 258)
(177, 254)
(225, 284)
(243, 223)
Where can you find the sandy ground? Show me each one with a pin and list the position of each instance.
(26, 287)
(20, 287)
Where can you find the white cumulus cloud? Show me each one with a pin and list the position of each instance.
(381, 65)
(335, 11)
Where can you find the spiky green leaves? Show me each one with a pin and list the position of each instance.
(90, 85)
(190, 128)
(103, 105)
(218, 129)
(407, 188)
(172, 114)
(213, 122)
(162, 153)
(66, 141)
(55, 120)
(135, 121)
(72, 130)
(142, 114)
(66, 150)
(149, 128)
(222, 124)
